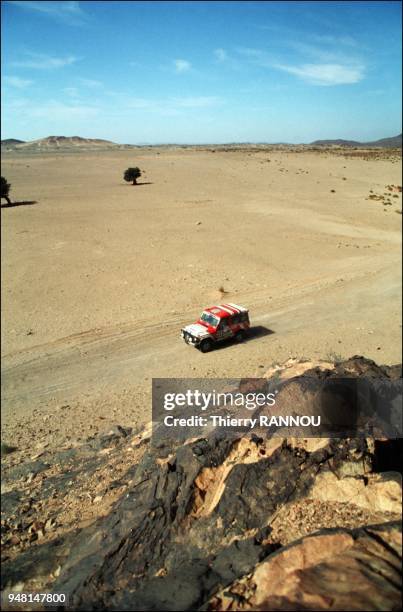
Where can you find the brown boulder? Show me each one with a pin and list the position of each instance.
(331, 570)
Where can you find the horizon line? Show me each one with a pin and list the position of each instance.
(208, 143)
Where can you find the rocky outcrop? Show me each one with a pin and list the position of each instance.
(218, 523)
(332, 570)
(379, 492)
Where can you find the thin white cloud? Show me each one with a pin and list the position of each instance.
(375, 92)
(325, 53)
(71, 91)
(182, 65)
(250, 52)
(285, 33)
(328, 69)
(330, 39)
(59, 111)
(17, 103)
(14, 81)
(40, 61)
(69, 12)
(196, 101)
(91, 83)
(221, 55)
(53, 111)
(140, 103)
(312, 54)
(174, 104)
(325, 74)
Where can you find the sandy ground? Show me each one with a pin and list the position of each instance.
(98, 276)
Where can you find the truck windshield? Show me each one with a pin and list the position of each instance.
(210, 319)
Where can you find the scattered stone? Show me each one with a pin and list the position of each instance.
(42, 445)
(6, 449)
(50, 524)
(123, 432)
(34, 457)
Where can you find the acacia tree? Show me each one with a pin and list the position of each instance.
(5, 188)
(131, 175)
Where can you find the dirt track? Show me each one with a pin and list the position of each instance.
(99, 276)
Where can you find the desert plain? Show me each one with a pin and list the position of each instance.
(99, 276)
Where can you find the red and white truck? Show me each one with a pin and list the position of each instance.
(216, 324)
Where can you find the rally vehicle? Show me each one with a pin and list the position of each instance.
(216, 324)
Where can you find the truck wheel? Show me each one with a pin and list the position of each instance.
(206, 346)
(240, 336)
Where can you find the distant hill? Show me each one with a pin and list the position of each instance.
(60, 142)
(65, 142)
(72, 143)
(10, 142)
(393, 142)
(339, 142)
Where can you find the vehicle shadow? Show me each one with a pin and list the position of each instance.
(21, 203)
(255, 332)
(258, 331)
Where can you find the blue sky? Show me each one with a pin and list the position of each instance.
(198, 72)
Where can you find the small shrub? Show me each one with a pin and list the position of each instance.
(5, 189)
(131, 175)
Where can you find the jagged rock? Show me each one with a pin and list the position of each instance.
(190, 524)
(195, 526)
(309, 444)
(331, 570)
(377, 492)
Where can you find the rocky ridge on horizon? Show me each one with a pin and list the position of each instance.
(394, 142)
(77, 142)
(59, 142)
